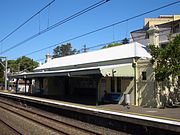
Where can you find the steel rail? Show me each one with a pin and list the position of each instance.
(38, 114)
(10, 127)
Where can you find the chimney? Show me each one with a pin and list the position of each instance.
(48, 58)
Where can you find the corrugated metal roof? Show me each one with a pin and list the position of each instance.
(130, 50)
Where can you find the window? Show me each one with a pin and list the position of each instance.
(163, 45)
(143, 75)
(176, 28)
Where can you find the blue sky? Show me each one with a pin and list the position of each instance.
(15, 12)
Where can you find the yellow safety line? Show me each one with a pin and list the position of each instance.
(147, 115)
(134, 113)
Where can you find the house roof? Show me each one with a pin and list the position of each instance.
(130, 50)
(164, 25)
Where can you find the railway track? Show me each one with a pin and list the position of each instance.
(46, 121)
(7, 129)
(44, 116)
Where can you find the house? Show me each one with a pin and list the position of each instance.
(122, 69)
(157, 30)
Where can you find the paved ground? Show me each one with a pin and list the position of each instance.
(167, 113)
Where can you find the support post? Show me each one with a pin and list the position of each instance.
(25, 85)
(5, 75)
(41, 85)
(17, 85)
(136, 99)
(5, 72)
(97, 95)
(30, 86)
(97, 90)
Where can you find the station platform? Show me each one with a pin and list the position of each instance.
(168, 118)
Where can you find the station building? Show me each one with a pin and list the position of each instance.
(88, 76)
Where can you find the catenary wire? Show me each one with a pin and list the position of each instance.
(104, 44)
(99, 44)
(21, 25)
(102, 28)
(65, 42)
(58, 24)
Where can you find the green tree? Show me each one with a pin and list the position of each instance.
(166, 62)
(63, 50)
(112, 45)
(167, 59)
(13, 66)
(25, 64)
(125, 41)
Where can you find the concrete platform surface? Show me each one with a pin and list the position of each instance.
(171, 114)
(167, 113)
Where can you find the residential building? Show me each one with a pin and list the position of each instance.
(157, 30)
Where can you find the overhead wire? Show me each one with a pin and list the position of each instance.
(58, 24)
(102, 28)
(104, 44)
(21, 25)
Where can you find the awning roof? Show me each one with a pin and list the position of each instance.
(110, 70)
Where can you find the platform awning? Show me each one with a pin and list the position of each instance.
(121, 70)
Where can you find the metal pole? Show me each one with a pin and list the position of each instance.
(5, 76)
(17, 84)
(97, 91)
(5, 72)
(25, 85)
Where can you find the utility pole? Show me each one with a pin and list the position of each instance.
(84, 48)
(5, 71)
(5, 76)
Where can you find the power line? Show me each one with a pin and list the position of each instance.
(117, 41)
(105, 27)
(8, 35)
(87, 48)
(120, 41)
(74, 39)
(58, 24)
(40, 59)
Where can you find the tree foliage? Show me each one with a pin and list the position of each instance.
(111, 45)
(167, 59)
(22, 64)
(26, 64)
(124, 41)
(63, 50)
(13, 65)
